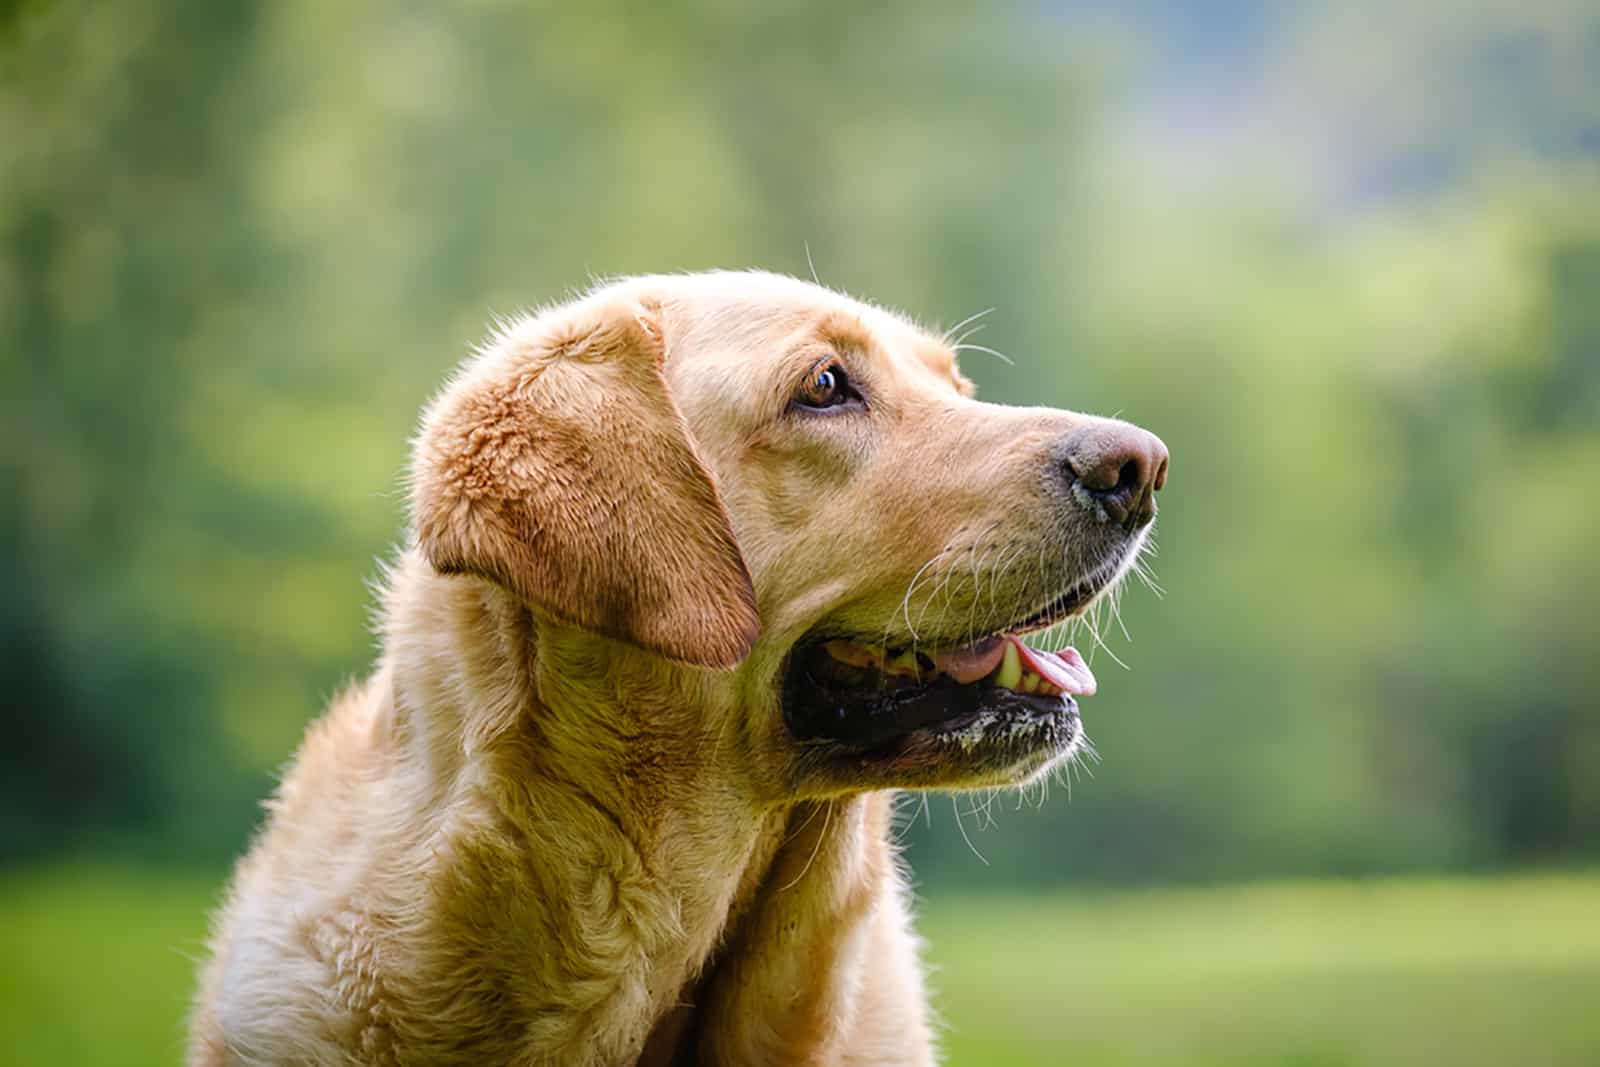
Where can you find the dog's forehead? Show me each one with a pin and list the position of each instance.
(737, 319)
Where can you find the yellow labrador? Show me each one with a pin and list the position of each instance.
(702, 569)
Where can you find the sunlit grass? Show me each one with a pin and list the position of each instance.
(1458, 972)
(96, 965)
(95, 968)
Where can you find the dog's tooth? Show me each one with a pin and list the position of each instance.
(854, 653)
(1010, 672)
(904, 663)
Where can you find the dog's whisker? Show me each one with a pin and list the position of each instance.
(951, 332)
(822, 835)
(982, 808)
(970, 347)
(798, 830)
(1116, 613)
(962, 827)
(1143, 569)
(1100, 642)
(911, 588)
(971, 331)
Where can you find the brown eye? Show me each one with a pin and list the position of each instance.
(827, 387)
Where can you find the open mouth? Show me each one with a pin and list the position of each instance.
(989, 712)
(864, 696)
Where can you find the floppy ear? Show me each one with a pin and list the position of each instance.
(558, 465)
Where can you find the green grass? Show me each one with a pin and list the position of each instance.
(96, 965)
(1503, 971)
(95, 968)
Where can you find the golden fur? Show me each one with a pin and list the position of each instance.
(561, 823)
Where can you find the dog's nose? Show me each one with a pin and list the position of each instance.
(1117, 468)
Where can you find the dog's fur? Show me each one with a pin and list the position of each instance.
(562, 822)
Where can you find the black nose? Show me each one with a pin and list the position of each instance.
(1116, 468)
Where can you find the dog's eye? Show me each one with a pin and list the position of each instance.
(827, 387)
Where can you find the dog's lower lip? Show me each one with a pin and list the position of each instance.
(867, 718)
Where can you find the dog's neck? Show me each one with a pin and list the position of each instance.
(621, 767)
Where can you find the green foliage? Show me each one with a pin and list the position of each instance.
(242, 243)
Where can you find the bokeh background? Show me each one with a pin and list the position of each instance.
(1344, 258)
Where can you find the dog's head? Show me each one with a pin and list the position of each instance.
(793, 497)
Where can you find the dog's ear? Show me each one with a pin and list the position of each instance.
(558, 465)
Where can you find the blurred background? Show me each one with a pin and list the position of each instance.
(1344, 258)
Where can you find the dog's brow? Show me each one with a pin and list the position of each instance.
(837, 330)
(844, 330)
(939, 359)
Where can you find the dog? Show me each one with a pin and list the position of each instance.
(702, 569)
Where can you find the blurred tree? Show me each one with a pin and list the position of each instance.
(242, 243)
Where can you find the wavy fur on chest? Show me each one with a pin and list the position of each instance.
(445, 878)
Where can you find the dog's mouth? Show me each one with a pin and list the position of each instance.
(864, 696)
(998, 699)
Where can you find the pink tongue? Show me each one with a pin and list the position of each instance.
(1065, 669)
(968, 664)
